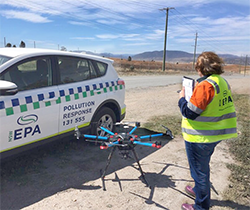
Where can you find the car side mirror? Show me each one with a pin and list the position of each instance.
(7, 88)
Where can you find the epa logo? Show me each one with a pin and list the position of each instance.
(28, 119)
(27, 129)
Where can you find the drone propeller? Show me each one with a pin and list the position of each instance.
(138, 124)
(168, 132)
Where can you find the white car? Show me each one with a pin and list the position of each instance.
(45, 94)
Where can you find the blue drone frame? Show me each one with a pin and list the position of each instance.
(124, 141)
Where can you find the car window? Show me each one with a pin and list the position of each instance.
(73, 69)
(30, 74)
(102, 67)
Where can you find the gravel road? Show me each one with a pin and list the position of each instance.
(164, 80)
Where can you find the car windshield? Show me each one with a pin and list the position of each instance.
(3, 59)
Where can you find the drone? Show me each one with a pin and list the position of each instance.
(125, 141)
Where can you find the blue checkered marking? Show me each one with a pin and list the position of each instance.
(71, 91)
(15, 102)
(79, 89)
(51, 94)
(28, 99)
(40, 97)
(2, 105)
(61, 92)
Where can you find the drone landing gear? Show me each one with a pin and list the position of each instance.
(142, 177)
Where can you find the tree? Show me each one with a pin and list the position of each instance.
(22, 44)
(8, 45)
(63, 48)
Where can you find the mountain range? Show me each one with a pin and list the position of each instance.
(182, 57)
(171, 56)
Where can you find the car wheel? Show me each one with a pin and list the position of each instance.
(103, 118)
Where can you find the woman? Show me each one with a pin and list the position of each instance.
(208, 118)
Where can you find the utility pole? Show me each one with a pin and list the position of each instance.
(195, 45)
(240, 64)
(245, 66)
(165, 40)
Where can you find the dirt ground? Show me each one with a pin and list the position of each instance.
(71, 180)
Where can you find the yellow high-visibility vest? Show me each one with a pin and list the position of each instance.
(218, 121)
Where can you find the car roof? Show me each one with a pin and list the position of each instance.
(15, 52)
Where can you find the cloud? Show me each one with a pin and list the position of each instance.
(103, 11)
(117, 36)
(109, 22)
(158, 34)
(137, 22)
(27, 16)
(107, 36)
(83, 38)
(78, 23)
(137, 44)
(241, 2)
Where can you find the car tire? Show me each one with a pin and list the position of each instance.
(106, 118)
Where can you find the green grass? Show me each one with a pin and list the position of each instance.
(171, 122)
(239, 189)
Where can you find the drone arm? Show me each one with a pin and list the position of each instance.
(143, 143)
(95, 137)
(113, 144)
(106, 130)
(156, 144)
(106, 145)
(133, 130)
(149, 136)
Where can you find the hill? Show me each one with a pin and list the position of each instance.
(171, 56)
(181, 56)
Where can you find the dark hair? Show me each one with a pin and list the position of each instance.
(209, 63)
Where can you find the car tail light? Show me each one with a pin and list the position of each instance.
(120, 82)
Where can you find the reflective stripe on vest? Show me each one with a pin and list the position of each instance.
(217, 88)
(217, 121)
(209, 132)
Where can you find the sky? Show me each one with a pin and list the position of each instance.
(127, 26)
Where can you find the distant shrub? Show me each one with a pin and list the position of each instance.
(132, 68)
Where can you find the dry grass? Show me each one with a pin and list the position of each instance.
(239, 189)
(136, 67)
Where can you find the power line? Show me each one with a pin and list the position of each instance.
(194, 27)
(209, 40)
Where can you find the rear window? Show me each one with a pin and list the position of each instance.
(102, 67)
(76, 69)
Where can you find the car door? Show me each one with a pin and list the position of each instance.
(81, 92)
(31, 115)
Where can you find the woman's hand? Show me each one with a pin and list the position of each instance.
(182, 93)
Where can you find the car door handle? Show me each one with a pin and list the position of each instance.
(98, 91)
(49, 99)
